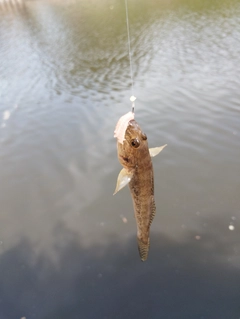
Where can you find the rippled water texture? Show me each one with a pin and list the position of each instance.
(67, 246)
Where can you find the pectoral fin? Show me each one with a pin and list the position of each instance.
(156, 150)
(124, 178)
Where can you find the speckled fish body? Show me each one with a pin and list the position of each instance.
(135, 157)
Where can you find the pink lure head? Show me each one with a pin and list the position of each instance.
(122, 125)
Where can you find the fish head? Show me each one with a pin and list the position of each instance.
(134, 146)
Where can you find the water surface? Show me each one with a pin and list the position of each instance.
(66, 250)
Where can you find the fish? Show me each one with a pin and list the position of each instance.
(137, 172)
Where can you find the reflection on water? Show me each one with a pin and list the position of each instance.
(186, 277)
(64, 82)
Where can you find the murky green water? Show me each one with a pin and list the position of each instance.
(67, 246)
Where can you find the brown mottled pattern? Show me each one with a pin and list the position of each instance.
(141, 187)
(138, 160)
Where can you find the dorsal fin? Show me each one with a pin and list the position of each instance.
(152, 210)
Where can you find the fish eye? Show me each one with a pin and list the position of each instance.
(144, 136)
(135, 143)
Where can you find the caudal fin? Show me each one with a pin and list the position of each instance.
(143, 249)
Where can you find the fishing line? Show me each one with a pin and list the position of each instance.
(132, 98)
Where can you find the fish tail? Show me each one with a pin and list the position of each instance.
(143, 248)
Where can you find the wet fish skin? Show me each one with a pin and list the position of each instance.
(135, 156)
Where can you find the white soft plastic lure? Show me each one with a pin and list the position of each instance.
(122, 125)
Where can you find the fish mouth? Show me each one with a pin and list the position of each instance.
(132, 129)
(134, 124)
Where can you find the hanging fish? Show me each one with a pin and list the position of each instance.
(135, 157)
